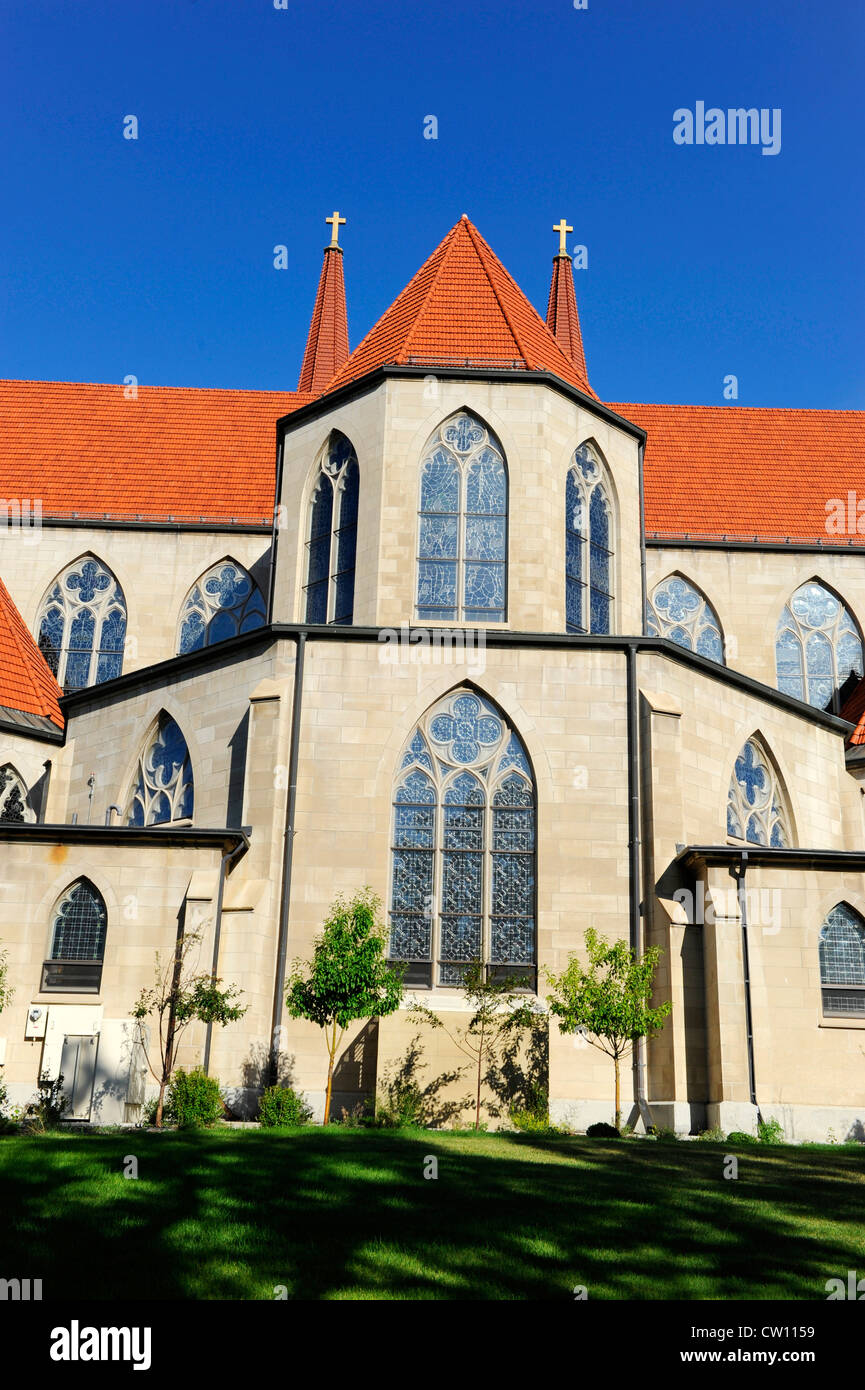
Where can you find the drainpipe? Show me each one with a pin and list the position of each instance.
(643, 589)
(739, 876)
(287, 856)
(637, 940)
(228, 856)
(108, 813)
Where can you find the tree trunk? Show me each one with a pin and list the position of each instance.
(478, 1095)
(331, 1059)
(618, 1093)
(160, 1103)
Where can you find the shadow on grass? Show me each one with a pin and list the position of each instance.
(349, 1214)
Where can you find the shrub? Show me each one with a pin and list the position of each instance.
(738, 1136)
(281, 1106)
(665, 1135)
(148, 1111)
(770, 1131)
(195, 1098)
(715, 1135)
(602, 1131)
(531, 1121)
(46, 1111)
(401, 1104)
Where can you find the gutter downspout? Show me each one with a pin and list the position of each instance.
(287, 857)
(636, 933)
(739, 876)
(228, 855)
(643, 589)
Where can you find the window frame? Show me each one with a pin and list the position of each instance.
(335, 474)
(100, 609)
(602, 484)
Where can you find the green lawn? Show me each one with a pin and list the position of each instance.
(344, 1213)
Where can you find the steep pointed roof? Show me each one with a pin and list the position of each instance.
(462, 308)
(26, 681)
(327, 344)
(563, 321)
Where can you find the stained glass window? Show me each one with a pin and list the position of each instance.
(225, 602)
(817, 645)
(332, 537)
(755, 806)
(14, 808)
(842, 962)
(462, 527)
(163, 790)
(82, 625)
(463, 875)
(80, 923)
(588, 545)
(679, 612)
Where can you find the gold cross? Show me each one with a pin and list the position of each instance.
(336, 222)
(562, 228)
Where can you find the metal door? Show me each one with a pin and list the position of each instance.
(78, 1067)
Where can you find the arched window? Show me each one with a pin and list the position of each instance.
(225, 601)
(679, 612)
(755, 805)
(842, 962)
(332, 541)
(77, 941)
(82, 625)
(163, 790)
(463, 870)
(462, 530)
(14, 808)
(588, 545)
(817, 645)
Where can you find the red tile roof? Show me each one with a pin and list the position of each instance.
(740, 472)
(327, 344)
(26, 681)
(563, 321)
(462, 308)
(176, 452)
(853, 709)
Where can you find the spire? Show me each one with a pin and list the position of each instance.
(327, 344)
(563, 321)
(461, 309)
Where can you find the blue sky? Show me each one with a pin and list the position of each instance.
(155, 257)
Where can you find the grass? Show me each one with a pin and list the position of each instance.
(348, 1214)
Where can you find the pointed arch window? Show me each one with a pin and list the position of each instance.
(756, 811)
(77, 949)
(817, 646)
(163, 790)
(842, 963)
(225, 602)
(679, 612)
(14, 806)
(82, 625)
(462, 528)
(589, 546)
(332, 537)
(463, 856)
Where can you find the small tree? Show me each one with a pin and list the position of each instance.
(497, 1013)
(179, 996)
(6, 990)
(348, 977)
(609, 1001)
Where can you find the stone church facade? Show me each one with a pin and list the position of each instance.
(443, 623)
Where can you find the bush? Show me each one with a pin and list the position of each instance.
(738, 1136)
(401, 1104)
(148, 1111)
(280, 1107)
(715, 1135)
(664, 1135)
(195, 1098)
(531, 1121)
(602, 1131)
(770, 1131)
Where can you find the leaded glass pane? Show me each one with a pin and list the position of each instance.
(164, 788)
(462, 523)
(754, 800)
(80, 924)
(82, 625)
(842, 948)
(588, 546)
(463, 858)
(332, 536)
(14, 809)
(817, 646)
(680, 613)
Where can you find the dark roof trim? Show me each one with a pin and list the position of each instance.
(107, 523)
(761, 856)
(182, 836)
(658, 542)
(371, 380)
(236, 647)
(30, 726)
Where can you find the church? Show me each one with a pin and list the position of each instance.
(443, 623)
